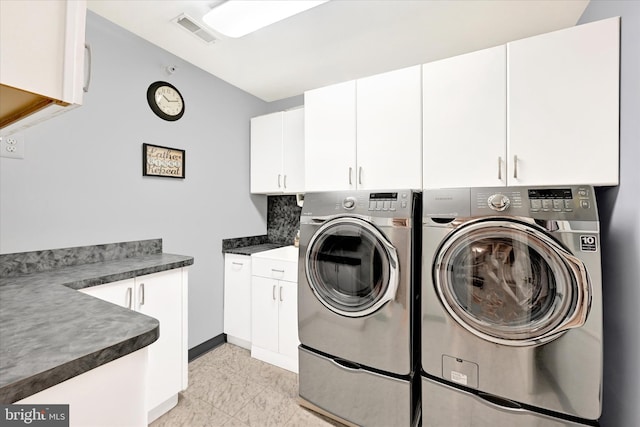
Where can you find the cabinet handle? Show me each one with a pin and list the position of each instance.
(277, 271)
(515, 167)
(280, 293)
(141, 294)
(500, 168)
(129, 298)
(273, 292)
(285, 181)
(237, 263)
(279, 180)
(360, 175)
(87, 81)
(350, 171)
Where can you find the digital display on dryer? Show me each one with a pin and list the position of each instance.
(551, 193)
(383, 196)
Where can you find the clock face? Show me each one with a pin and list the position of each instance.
(165, 100)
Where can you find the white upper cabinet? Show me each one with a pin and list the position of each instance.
(330, 137)
(464, 120)
(277, 153)
(563, 106)
(42, 71)
(544, 113)
(293, 151)
(389, 130)
(365, 134)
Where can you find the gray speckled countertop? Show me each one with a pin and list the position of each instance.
(252, 249)
(49, 332)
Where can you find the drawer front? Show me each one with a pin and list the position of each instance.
(359, 396)
(236, 265)
(275, 269)
(443, 405)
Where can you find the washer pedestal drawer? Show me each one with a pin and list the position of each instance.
(353, 394)
(443, 405)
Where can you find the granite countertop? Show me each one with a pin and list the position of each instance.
(50, 332)
(253, 249)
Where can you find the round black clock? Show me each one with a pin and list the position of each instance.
(165, 100)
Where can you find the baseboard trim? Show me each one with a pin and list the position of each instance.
(206, 346)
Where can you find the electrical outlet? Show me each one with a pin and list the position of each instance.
(12, 146)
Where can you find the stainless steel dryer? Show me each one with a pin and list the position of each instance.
(357, 305)
(511, 307)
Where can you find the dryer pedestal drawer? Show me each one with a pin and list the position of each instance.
(355, 395)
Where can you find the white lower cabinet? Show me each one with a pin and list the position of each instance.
(110, 395)
(237, 299)
(274, 312)
(162, 296)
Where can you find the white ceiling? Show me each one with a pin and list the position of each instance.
(340, 40)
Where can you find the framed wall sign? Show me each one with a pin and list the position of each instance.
(162, 161)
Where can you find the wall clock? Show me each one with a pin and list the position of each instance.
(165, 100)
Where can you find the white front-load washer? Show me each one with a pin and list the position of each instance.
(358, 305)
(511, 307)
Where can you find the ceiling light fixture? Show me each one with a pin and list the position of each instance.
(236, 18)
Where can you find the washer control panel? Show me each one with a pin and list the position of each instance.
(558, 199)
(544, 203)
(498, 202)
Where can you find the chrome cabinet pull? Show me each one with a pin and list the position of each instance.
(279, 180)
(285, 181)
(277, 270)
(280, 293)
(360, 175)
(515, 167)
(237, 263)
(129, 298)
(87, 81)
(141, 294)
(350, 170)
(273, 292)
(500, 168)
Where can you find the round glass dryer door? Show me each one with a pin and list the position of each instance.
(510, 283)
(351, 267)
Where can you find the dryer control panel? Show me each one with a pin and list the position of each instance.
(384, 204)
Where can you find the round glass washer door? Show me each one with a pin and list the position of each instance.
(509, 283)
(351, 267)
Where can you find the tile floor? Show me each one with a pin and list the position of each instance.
(228, 388)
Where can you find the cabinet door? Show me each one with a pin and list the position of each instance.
(563, 97)
(293, 151)
(120, 293)
(264, 309)
(464, 120)
(48, 56)
(237, 296)
(288, 319)
(266, 153)
(330, 137)
(389, 128)
(159, 295)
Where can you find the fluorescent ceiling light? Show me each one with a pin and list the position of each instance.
(236, 18)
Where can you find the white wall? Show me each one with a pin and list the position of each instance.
(620, 219)
(81, 180)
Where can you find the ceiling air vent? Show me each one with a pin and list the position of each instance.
(190, 24)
